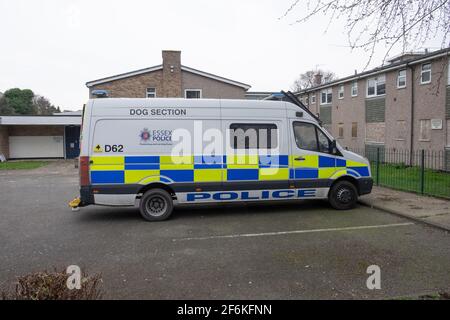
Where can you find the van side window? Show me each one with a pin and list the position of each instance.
(309, 137)
(253, 136)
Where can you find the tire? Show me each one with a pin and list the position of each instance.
(156, 205)
(343, 195)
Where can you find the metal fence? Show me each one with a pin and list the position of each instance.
(421, 171)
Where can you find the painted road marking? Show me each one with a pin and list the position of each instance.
(281, 233)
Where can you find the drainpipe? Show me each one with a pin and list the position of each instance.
(411, 147)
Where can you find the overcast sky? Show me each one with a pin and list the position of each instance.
(55, 46)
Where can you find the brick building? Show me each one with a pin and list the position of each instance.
(402, 105)
(169, 79)
(58, 136)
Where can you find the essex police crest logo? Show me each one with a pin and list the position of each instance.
(156, 136)
(145, 136)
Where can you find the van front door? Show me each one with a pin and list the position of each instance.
(311, 160)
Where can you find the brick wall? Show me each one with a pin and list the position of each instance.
(430, 103)
(375, 132)
(211, 88)
(171, 74)
(133, 87)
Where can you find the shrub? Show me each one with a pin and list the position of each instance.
(53, 286)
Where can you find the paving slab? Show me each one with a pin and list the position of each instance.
(430, 210)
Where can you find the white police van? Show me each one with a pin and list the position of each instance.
(158, 153)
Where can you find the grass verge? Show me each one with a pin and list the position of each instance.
(22, 165)
(436, 183)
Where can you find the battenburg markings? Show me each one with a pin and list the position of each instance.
(245, 195)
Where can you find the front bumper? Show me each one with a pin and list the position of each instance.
(365, 186)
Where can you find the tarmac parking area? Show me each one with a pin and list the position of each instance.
(296, 250)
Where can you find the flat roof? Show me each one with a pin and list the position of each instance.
(41, 120)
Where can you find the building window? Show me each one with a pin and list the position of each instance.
(253, 136)
(425, 75)
(151, 92)
(313, 97)
(354, 88)
(341, 92)
(340, 130)
(401, 79)
(326, 96)
(401, 130)
(354, 129)
(425, 130)
(307, 100)
(376, 86)
(193, 93)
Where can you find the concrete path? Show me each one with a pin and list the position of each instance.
(429, 210)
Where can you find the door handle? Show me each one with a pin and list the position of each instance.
(300, 159)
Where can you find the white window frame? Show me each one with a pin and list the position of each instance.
(153, 93)
(327, 92)
(401, 77)
(377, 82)
(313, 97)
(198, 90)
(354, 88)
(426, 71)
(341, 91)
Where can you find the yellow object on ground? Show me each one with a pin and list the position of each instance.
(75, 203)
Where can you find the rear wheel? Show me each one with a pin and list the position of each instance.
(343, 195)
(156, 205)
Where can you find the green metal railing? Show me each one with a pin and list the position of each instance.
(422, 171)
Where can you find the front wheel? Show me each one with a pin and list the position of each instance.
(156, 205)
(343, 195)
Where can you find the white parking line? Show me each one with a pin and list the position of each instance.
(281, 233)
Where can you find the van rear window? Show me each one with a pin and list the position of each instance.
(253, 136)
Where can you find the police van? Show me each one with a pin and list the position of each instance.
(159, 153)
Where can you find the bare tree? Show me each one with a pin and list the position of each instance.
(391, 23)
(311, 78)
(42, 106)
